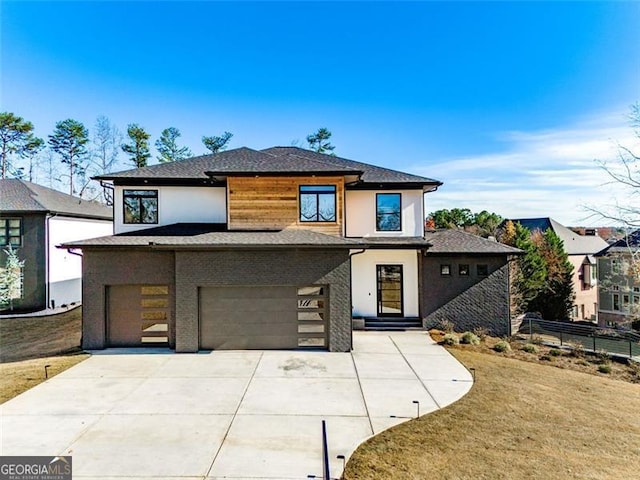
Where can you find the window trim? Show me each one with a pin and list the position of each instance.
(317, 194)
(6, 227)
(378, 195)
(139, 197)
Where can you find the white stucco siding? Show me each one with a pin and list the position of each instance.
(364, 280)
(360, 215)
(177, 205)
(65, 269)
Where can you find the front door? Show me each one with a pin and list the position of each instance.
(390, 290)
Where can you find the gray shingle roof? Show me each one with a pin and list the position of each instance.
(209, 235)
(457, 241)
(269, 161)
(22, 196)
(574, 243)
(630, 243)
(372, 173)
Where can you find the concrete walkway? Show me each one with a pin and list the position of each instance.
(233, 415)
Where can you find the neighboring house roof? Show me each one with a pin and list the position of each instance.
(275, 160)
(214, 236)
(629, 243)
(574, 243)
(451, 241)
(20, 196)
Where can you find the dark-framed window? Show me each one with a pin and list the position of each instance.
(388, 212)
(317, 203)
(10, 231)
(463, 270)
(140, 206)
(445, 270)
(483, 270)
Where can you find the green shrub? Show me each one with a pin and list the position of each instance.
(530, 348)
(502, 346)
(604, 368)
(554, 352)
(470, 338)
(546, 358)
(450, 339)
(603, 356)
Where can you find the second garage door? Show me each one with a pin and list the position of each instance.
(238, 318)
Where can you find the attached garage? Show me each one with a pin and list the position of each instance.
(138, 315)
(263, 317)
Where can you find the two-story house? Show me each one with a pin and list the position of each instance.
(278, 248)
(33, 220)
(619, 282)
(581, 250)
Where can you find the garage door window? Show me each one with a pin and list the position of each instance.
(154, 314)
(312, 324)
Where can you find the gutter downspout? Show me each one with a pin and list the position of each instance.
(352, 254)
(47, 260)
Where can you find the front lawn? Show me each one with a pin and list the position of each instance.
(521, 420)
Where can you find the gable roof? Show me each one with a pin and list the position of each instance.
(22, 196)
(452, 241)
(631, 242)
(271, 161)
(574, 243)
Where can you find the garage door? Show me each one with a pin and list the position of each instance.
(138, 315)
(262, 317)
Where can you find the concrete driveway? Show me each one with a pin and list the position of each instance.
(234, 415)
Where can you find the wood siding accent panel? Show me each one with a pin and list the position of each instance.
(265, 203)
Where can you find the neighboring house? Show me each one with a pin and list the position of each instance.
(33, 220)
(619, 282)
(581, 250)
(278, 248)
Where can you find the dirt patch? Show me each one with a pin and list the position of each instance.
(18, 377)
(521, 420)
(32, 337)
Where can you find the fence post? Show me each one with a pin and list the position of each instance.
(560, 337)
(594, 342)
(530, 331)
(630, 349)
(326, 475)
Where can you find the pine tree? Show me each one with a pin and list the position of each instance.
(138, 147)
(69, 140)
(217, 144)
(16, 139)
(168, 148)
(319, 141)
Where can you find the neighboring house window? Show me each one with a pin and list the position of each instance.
(463, 270)
(140, 206)
(483, 270)
(10, 232)
(616, 301)
(317, 203)
(636, 289)
(388, 212)
(445, 270)
(615, 266)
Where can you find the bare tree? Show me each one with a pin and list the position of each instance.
(105, 152)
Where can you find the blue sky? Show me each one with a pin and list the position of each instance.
(507, 103)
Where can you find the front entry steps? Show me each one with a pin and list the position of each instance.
(392, 324)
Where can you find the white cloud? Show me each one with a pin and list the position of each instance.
(551, 172)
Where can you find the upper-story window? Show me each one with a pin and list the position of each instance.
(140, 206)
(10, 232)
(388, 212)
(317, 203)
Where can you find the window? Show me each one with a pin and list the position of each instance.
(388, 217)
(636, 289)
(616, 301)
(10, 232)
(317, 203)
(445, 270)
(615, 288)
(140, 206)
(463, 270)
(483, 270)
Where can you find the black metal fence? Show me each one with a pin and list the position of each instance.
(618, 342)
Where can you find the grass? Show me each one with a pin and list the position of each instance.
(32, 337)
(18, 377)
(520, 420)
